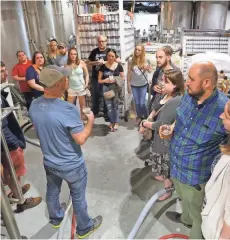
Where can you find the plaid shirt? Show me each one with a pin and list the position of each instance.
(197, 135)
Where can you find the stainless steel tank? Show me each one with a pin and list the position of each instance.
(13, 33)
(27, 26)
(176, 15)
(68, 19)
(58, 20)
(63, 19)
(210, 15)
(40, 22)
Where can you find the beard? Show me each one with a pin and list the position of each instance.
(197, 94)
(162, 65)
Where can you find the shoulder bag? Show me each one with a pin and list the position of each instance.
(148, 133)
(110, 94)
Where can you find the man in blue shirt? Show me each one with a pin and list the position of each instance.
(61, 132)
(61, 59)
(198, 133)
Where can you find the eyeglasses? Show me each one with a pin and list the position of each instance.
(101, 41)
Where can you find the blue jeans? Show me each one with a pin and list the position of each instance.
(77, 180)
(112, 107)
(139, 94)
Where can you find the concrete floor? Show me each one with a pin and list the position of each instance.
(118, 188)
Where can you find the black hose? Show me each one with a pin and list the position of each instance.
(25, 127)
(17, 98)
(25, 124)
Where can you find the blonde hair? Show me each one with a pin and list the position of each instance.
(225, 149)
(49, 49)
(140, 61)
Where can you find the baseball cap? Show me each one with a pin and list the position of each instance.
(52, 74)
(62, 45)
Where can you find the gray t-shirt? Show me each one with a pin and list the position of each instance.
(54, 121)
(61, 60)
(138, 76)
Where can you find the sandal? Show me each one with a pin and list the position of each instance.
(110, 127)
(115, 127)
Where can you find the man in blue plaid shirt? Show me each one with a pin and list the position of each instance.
(198, 133)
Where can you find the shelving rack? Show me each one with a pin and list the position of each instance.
(88, 32)
(117, 27)
(197, 41)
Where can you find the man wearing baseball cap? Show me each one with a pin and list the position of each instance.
(61, 59)
(61, 132)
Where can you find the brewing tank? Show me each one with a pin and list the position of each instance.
(41, 21)
(210, 15)
(63, 19)
(176, 15)
(13, 33)
(68, 19)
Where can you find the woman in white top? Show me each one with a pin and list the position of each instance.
(216, 212)
(77, 83)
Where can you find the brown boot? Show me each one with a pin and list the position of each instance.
(29, 203)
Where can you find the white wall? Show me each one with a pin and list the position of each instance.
(227, 26)
(143, 20)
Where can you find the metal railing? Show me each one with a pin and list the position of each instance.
(20, 102)
(6, 210)
(8, 216)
